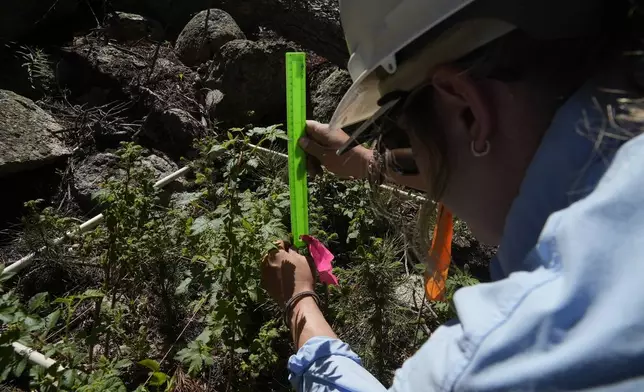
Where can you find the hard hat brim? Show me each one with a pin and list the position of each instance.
(359, 103)
(361, 100)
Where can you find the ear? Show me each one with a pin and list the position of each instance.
(467, 98)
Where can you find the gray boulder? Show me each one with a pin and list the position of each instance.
(157, 85)
(213, 98)
(172, 131)
(94, 171)
(28, 137)
(252, 76)
(328, 95)
(123, 26)
(204, 35)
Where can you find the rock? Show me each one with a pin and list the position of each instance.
(204, 35)
(411, 292)
(213, 98)
(172, 131)
(95, 170)
(123, 26)
(171, 13)
(254, 81)
(27, 135)
(130, 73)
(314, 24)
(328, 95)
(317, 72)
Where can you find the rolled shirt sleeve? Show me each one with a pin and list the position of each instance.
(326, 364)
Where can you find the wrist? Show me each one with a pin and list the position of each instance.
(362, 159)
(301, 308)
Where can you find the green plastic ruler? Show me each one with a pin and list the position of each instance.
(296, 125)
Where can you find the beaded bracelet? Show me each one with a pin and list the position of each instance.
(288, 308)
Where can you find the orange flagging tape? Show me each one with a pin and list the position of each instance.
(440, 255)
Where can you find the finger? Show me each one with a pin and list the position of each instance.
(317, 131)
(288, 246)
(323, 134)
(315, 149)
(271, 257)
(285, 246)
(280, 244)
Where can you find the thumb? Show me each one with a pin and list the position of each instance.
(316, 129)
(311, 147)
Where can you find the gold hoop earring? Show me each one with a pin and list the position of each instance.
(483, 153)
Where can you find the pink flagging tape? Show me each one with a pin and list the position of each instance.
(322, 258)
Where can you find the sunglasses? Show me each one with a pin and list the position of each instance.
(385, 129)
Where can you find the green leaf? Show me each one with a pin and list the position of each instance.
(150, 364)
(33, 323)
(104, 383)
(123, 363)
(38, 301)
(20, 367)
(204, 223)
(91, 294)
(228, 273)
(52, 319)
(204, 337)
(5, 373)
(186, 198)
(253, 163)
(216, 151)
(158, 379)
(68, 378)
(247, 225)
(191, 356)
(183, 286)
(5, 276)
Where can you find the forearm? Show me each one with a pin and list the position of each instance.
(307, 321)
(323, 362)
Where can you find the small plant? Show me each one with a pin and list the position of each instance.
(38, 67)
(232, 238)
(369, 313)
(456, 279)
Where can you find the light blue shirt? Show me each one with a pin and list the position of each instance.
(566, 308)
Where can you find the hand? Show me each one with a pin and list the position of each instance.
(286, 273)
(321, 144)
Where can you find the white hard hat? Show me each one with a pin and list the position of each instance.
(377, 30)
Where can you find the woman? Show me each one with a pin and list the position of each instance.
(523, 120)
